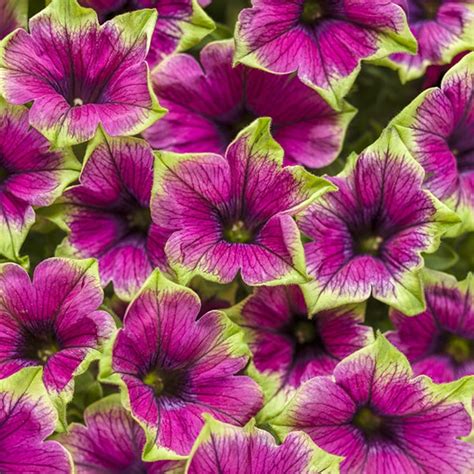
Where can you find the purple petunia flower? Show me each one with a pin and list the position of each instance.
(30, 175)
(173, 368)
(234, 213)
(27, 419)
(108, 214)
(288, 348)
(381, 419)
(440, 341)
(367, 237)
(52, 321)
(438, 129)
(79, 74)
(111, 442)
(209, 104)
(232, 450)
(13, 14)
(181, 23)
(443, 28)
(323, 40)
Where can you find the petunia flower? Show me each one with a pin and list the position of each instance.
(438, 129)
(290, 346)
(382, 419)
(79, 74)
(52, 321)
(108, 214)
(235, 213)
(27, 419)
(209, 104)
(13, 14)
(323, 41)
(181, 24)
(367, 237)
(30, 175)
(442, 28)
(111, 442)
(173, 368)
(440, 341)
(225, 448)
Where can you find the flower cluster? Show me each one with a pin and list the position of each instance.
(211, 261)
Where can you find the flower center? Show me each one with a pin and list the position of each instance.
(367, 421)
(3, 174)
(431, 8)
(238, 232)
(231, 128)
(40, 347)
(368, 245)
(458, 348)
(164, 383)
(77, 102)
(312, 11)
(462, 147)
(139, 220)
(305, 332)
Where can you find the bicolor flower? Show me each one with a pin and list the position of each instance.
(438, 129)
(108, 214)
(30, 175)
(28, 418)
(209, 103)
(225, 448)
(235, 213)
(173, 368)
(13, 15)
(323, 41)
(290, 346)
(442, 28)
(52, 321)
(382, 419)
(181, 23)
(111, 441)
(79, 74)
(440, 341)
(367, 237)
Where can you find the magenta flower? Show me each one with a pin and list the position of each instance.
(27, 420)
(229, 449)
(367, 237)
(108, 214)
(30, 175)
(181, 23)
(438, 129)
(381, 419)
(173, 368)
(13, 14)
(442, 28)
(111, 442)
(235, 213)
(209, 104)
(52, 321)
(288, 348)
(440, 341)
(79, 74)
(324, 41)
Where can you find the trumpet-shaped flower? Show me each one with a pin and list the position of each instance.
(324, 41)
(440, 341)
(30, 175)
(438, 129)
(79, 74)
(181, 23)
(172, 368)
(367, 237)
(382, 419)
(209, 103)
(108, 214)
(235, 213)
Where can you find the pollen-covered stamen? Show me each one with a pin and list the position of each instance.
(40, 346)
(164, 383)
(305, 332)
(312, 11)
(458, 348)
(368, 245)
(238, 232)
(77, 102)
(368, 421)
